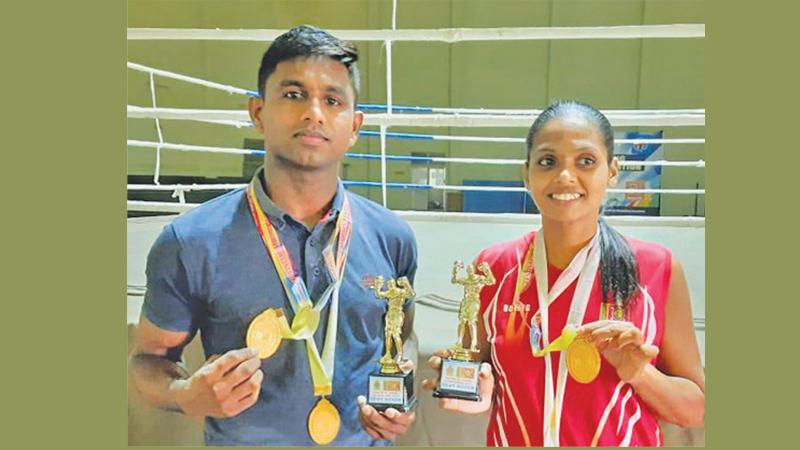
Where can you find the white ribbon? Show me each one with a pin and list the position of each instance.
(584, 267)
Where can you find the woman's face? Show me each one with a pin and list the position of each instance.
(568, 171)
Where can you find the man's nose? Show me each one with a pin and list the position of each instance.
(313, 112)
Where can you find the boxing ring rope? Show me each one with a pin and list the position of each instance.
(449, 35)
(240, 120)
(442, 159)
(178, 190)
(617, 119)
(422, 115)
(399, 108)
(232, 186)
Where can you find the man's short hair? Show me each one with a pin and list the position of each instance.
(303, 42)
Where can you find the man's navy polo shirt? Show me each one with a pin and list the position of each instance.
(209, 271)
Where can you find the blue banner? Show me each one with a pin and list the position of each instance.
(637, 177)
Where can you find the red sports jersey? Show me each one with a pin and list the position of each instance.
(604, 412)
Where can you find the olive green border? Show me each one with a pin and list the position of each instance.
(751, 120)
(64, 223)
(63, 172)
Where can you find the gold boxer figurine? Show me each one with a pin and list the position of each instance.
(470, 305)
(396, 295)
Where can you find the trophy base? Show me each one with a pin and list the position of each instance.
(391, 390)
(459, 379)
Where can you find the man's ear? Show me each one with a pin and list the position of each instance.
(613, 172)
(254, 107)
(358, 121)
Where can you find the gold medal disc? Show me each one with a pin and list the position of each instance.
(583, 360)
(323, 422)
(264, 333)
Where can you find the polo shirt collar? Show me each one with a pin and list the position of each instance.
(278, 216)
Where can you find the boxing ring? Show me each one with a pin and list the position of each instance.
(466, 233)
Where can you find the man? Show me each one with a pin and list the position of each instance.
(218, 267)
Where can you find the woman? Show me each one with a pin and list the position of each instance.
(626, 298)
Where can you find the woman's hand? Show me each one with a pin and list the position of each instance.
(622, 345)
(485, 382)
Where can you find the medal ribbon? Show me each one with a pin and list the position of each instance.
(568, 334)
(513, 331)
(583, 267)
(307, 315)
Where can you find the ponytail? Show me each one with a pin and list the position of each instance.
(619, 273)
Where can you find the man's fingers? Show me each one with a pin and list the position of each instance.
(231, 359)
(388, 435)
(404, 419)
(232, 406)
(243, 396)
(211, 359)
(243, 372)
(435, 362)
(373, 420)
(251, 385)
(367, 410)
(372, 433)
(385, 425)
(249, 400)
(381, 423)
(368, 428)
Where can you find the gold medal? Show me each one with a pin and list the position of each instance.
(583, 360)
(323, 422)
(264, 333)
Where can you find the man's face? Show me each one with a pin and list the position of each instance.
(307, 115)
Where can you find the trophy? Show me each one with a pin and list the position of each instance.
(390, 387)
(459, 372)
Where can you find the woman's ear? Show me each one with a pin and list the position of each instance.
(613, 172)
(525, 175)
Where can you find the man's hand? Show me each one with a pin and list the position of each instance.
(223, 387)
(383, 425)
(387, 424)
